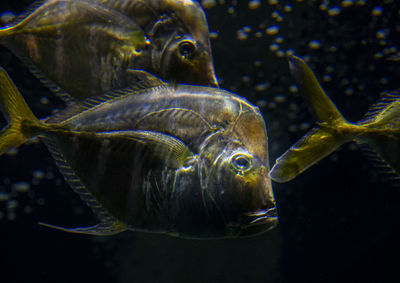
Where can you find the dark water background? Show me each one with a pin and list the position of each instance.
(339, 221)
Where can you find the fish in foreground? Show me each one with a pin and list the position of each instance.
(380, 129)
(84, 48)
(184, 160)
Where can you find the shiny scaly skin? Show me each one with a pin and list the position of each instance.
(202, 199)
(85, 47)
(167, 23)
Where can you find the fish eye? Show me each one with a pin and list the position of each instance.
(186, 48)
(241, 162)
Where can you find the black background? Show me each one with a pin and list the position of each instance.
(339, 221)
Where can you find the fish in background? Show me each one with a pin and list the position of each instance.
(380, 129)
(185, 160)
(84, 48)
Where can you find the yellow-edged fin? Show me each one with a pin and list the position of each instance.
(101, 229)
(332, 130)
(321, 104)
(16, 112)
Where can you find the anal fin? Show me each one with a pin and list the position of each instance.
(101, 229)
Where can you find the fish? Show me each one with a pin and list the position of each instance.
(184, 160)
(379, 129)
(82, 49)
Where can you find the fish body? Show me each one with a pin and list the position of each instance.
(184, 160)
(380, 129)
(84, 48)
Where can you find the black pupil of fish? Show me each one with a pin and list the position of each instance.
(186, 48)
(241, 162)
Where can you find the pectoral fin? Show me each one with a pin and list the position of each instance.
(167, 148)
(101, 229)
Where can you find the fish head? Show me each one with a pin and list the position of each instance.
(181, 45)
(234, 175)
(188, 61)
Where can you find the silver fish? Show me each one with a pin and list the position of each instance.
(85, 47)
(184, 160)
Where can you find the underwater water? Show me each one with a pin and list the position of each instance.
(339, 220)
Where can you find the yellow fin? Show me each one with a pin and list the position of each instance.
(310, 149)
(16, 111)
(333, 129)
(323, 107)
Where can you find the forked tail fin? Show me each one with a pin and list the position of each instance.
(16, 111)
(332, 130)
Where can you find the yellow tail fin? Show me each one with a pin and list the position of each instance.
(332, 130)
(16, 111)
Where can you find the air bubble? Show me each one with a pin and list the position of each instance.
(213, 35)
(380, 34)
(334, 11)
(274, 47)
(287, 8)
(347, 3)
(280, 98)
(12, 204)
(254, 4)
(4, 196)
(21, 187)
(377, 11)
(38, 174)
(293, 89)
(262, 86)
(208, 4)
(314, 44)
(272, 30)
(44, 100)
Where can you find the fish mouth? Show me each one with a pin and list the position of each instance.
(259, 222)
(255, 223)
(257, 218)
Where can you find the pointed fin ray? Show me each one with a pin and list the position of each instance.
(140, 82)
(387, 147)
(76, 185)
(384, 112)
(388, 173)
(101, 229)
(323, 107)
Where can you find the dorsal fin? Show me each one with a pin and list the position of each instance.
(143, 81)
(36, 72)
(384, 169)
(33, 6)
(389, 101)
